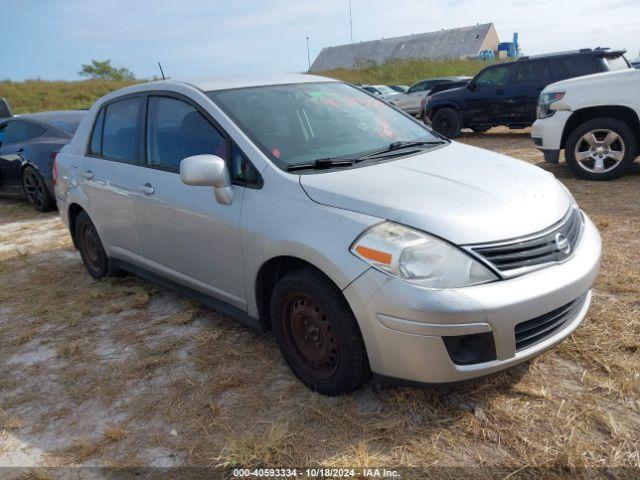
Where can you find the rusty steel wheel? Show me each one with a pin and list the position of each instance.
(317, 332)
(311, 337)
(91, 250)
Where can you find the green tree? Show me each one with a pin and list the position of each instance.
(105, 71)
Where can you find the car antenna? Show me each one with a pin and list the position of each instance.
(161, 71)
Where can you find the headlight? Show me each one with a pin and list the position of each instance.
(545, 101)
(419, 258)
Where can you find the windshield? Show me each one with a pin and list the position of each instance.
(385, 90)
(617, 62)
(300, 123)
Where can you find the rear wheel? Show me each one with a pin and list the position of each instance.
(92, 252)
(317, 333)
(36, 191)
(601, 149)
(447, 122)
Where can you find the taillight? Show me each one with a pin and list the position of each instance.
(54, 167)
(423, 102)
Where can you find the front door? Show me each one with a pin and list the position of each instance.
(529, 80)
(108, 175)
(486, 96)
(187, 235)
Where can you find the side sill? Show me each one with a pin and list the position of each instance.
(219, 306)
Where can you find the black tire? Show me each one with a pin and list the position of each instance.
(36, 191)
(627, 141)
(447, 122)
(93, 255)
(330, 358)
(480, 129)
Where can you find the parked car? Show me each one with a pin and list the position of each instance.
(365, 241)
(399, 88)
(507, 93)
(595, 119)
(28, 145)
(380, 90)
(635, 64)
(441, 88)
(410, 101)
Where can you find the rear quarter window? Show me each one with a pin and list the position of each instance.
(575, 66)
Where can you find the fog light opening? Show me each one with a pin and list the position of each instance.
(471, 349)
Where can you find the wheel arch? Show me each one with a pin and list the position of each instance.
(269, 273)
(619, 112)
(72, 215)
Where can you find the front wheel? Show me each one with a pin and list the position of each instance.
(601, 149)
(447, 122)
(317, 333)
(36, 191)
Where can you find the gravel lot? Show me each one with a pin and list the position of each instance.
(123, 373)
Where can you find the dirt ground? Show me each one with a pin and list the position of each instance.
(123, 373)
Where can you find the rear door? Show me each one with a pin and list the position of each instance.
(13, 137)
(109, 177)
(187, 235)
(486, 103)
(530, 79)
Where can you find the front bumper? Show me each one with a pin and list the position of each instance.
(548, 131)
(403, 325)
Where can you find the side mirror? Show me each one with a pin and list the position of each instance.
(209, 171)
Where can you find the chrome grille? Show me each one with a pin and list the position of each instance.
(537, 329)
(520, 256)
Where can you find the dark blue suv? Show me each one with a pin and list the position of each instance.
(507, 93)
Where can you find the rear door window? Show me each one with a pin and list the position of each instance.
(18, 131)
(120, 131)
(532, 72)
(176, 130)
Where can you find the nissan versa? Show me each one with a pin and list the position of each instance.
(300, 204)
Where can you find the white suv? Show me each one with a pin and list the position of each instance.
(594, 119)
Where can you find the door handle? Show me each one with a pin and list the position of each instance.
(20, 150)
(88, 174)
(146, 188)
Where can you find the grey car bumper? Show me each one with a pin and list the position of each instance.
(404, 325)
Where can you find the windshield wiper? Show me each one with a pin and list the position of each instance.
(323, 163)
(329, 162)
(393, 146)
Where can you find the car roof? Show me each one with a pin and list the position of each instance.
(582, 51)
(47, 117)
(244, 81)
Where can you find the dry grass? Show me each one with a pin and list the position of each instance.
(41, 95)
(123, 373)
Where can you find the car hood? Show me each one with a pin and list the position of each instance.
(594, 78)
(461, 193)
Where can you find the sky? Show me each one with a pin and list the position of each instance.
(51, 39)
